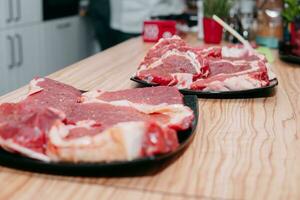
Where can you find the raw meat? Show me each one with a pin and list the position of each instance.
(172, 62)
(105, 115)
(163, 103)
(23, 125)
(171, 57)
(23, 129)
(233, 75)
(150, 95)
(123, 141)
(55, 122)
(45, 92)
(176, 116)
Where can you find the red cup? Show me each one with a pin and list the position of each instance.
(293, 33)
(212, 31)
(153, 30)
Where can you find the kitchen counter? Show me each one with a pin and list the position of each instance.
(243, 149)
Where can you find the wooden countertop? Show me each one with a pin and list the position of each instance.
(243, 149)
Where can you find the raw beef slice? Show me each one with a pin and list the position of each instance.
(54, 122)
(233, 75)
(122, 141)
(151, 95)
(106, 127)
(172, 62)
(23, 129)
(45, 92)
(163, 103)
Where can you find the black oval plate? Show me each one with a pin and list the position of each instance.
(256, 92)
(137, 167)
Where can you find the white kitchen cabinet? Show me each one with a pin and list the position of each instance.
(3, 13)
(39, 49)
(19, 55)
(7, 53)
(65, 41)
(28, 52)
(19, 12)
(3, 62)
(86, 38)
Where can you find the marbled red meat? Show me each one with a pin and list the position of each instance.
(56, 122)
(170, 58)
(172, 62)
(46, 92)
(27, 127)
(150, 95)
(165, 104)
(255, 77)
(218, 66)
(105, 115)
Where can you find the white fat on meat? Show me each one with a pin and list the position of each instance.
(184, 80)
(33, 86)
(271, 74)
(234, 52)
(242, 82)
(193, 59)
(174, 37)
(91, 95)
(215, 86)
(11, 146)
(209, 49)
(122, 141)
(142, 67)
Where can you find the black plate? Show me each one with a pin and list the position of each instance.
(286, 55)
(256, 92)
(142, 166)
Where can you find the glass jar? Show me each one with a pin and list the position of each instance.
(269, 30)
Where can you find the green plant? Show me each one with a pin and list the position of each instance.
(217, 7)
(291, 10)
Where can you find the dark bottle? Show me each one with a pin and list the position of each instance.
(235, 23)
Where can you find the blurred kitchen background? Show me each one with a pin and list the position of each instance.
(38, 37)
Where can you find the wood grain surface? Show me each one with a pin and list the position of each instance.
(243, 149)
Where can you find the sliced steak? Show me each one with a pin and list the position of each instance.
(172, 62)
(23, 129)
(105, 114)
(169, 57)
(55, 122)
(255, 77)
(163, 103)
(45, 92)
(123, 141)
(150, 95)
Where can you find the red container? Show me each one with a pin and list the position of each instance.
(153, 30)
(212, 31)
(293, 33)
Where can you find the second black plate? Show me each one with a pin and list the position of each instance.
(286, 55)
(256, 92)
(135, 167)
